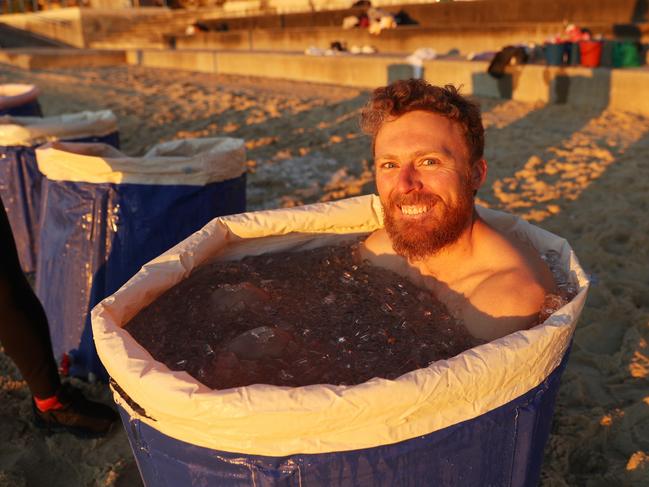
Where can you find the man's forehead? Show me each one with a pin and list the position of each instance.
(422, 117)
(419, 132)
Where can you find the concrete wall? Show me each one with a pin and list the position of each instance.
(60, 58)
(491, 10)
(97, 24)
(503, 21)
(11, 37)
(63, 25)
(199, 61)
(621, 89)
(401, 40)
(364, 72)
(612, 11)
(110, 4)
(80, 27)
(343, 70)
(446, 13)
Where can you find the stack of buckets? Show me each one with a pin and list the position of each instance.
(593, 53)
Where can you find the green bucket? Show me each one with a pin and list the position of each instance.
(626, 55)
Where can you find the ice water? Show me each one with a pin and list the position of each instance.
(299, 318)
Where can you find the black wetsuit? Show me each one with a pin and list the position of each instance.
(24, 331)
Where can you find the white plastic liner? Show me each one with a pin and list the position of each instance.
(178, 162)
(29, 131)
(14, 95)
(278, 421)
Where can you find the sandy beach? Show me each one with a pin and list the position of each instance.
(580, 173)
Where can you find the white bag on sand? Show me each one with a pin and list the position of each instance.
(277, 421)
(27, 131)
(187, 161)
(13, 95)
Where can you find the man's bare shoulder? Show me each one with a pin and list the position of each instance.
(512, 287)
(377, 249)
(378, 242)
(502, 304)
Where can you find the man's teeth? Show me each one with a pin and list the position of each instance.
(413, 209)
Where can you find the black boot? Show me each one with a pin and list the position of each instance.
(79, 416)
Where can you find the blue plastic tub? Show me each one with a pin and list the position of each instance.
(555, 54)
(501, 447)
(104, 215)
(20, 100)
(20, 179)
(480, 418)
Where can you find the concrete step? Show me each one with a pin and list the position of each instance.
(464, 38)
(12, 37)
(600, 87)
(579, 86)
(49, 58)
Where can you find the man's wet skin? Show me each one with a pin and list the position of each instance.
(432, 234)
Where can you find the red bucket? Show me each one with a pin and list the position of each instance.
(591, 53)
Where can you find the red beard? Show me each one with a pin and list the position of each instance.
(416, 240)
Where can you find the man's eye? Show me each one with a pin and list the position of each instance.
(388, 165)
(429, 162)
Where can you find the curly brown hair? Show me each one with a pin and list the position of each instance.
(405, 96)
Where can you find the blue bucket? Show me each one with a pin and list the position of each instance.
(20, 100)
(104, 215)
(554, 54)
(20, 179)
(574, 57)
(480, 418)
(501, 447)
(461, 454)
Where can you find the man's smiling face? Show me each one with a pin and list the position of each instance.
(424, 180)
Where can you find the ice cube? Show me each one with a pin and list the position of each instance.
(260, 343)
(284, 375)
(237, 297)
(346, 278)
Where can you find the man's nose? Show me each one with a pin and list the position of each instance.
(409, 179)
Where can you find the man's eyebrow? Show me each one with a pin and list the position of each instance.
(443, 150)
(386, 156)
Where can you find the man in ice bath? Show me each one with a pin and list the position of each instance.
(428, 146)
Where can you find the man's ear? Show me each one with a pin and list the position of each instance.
(478, 174)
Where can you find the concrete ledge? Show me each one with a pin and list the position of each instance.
(43, 58)
(62, 25)
(405, 39)
(365, 72)
(194, 60)
(620, 89)
(317, 13)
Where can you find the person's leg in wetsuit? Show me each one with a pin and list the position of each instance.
(25, 337)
